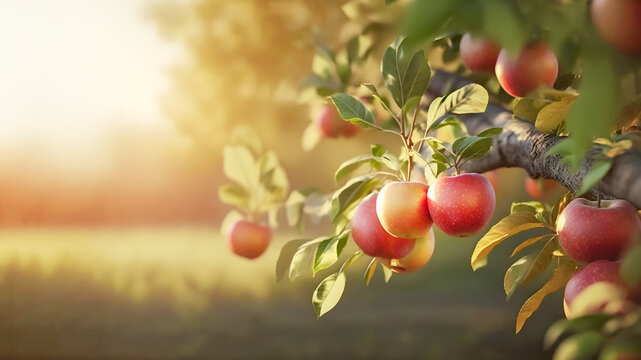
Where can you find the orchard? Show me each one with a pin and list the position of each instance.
(464, 89)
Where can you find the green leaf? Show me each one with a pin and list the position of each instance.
(351, 165)
(370, 271)
(286, 256)
(501, 23)
(377, 150)
(302, 259)
(273, 179)
(328, 251)
(507, 227)
(560, 277)
(598, 170)
(234, 194)
(552, 116)
(471, 147)
(425, 18)
(528, 268)
(576, 325)
(530, 242)
(490, 132)
(351, 193)
(594, 111)
(295, 205)
(239, 165)
(528, 108)
(581, 346)
(631, 266)
(533, 207)
(384, 102)
(405, 73)
(328, 293)
(469, 99)
(354, 111)
(558, 207)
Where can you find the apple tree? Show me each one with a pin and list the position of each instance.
(550, 86)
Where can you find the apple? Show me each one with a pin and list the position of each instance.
(619, 23)
(535, 65)
(600, 297)
(538, 188)
(371, 238)
(478, 54)
(588, 233)
(248, 239)
(461, 205)
(416, 259)
(600, 270)
(493, 178)
(402, 209)
(331, 124)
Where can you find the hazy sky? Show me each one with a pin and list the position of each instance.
(72, 71)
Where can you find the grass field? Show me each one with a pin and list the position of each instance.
(177, 294)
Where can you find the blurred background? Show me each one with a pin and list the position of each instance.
(113, 116)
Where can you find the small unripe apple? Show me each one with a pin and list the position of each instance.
(248, 239)
(417, 258)
(402, 209)
(539, 188)
(588, 233)
(478, 54)
(371, 238)
(331, 124)
(535, 65)
(619, 23)
(461, 205)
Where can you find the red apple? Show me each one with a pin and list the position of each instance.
(370, 236)
(248, 239)
(600, 297)
(539, 188)
(588, 233)
(600, 270)
(478, 54)
(619, 23)
(416, 259)
(331, 124)
(535, 65)
(461, 205)
(402, 209)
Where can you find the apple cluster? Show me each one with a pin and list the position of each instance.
(599, 234)
(395, 224)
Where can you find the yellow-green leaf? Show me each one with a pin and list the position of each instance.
(553, 115)
(507, 227)
(527, 268)
(328, 293)
(371, 270)
(530, 242)
(560, 277)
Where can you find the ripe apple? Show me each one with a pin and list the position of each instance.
(402, 209)
(539, 188)
(600, 270)
(619, 23)
(370, 236)
(478, 54)
(534, 66)
(331, 124)
(416, 259)
(248, 239)
(588, 233)
(461, 205)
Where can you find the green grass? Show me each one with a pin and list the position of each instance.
(178, 293)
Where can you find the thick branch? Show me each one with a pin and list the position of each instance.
(521, 145)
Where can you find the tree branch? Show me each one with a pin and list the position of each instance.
(521, 145)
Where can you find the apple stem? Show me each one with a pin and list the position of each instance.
(598, 200)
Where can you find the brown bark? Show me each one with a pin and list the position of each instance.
(521, 145)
